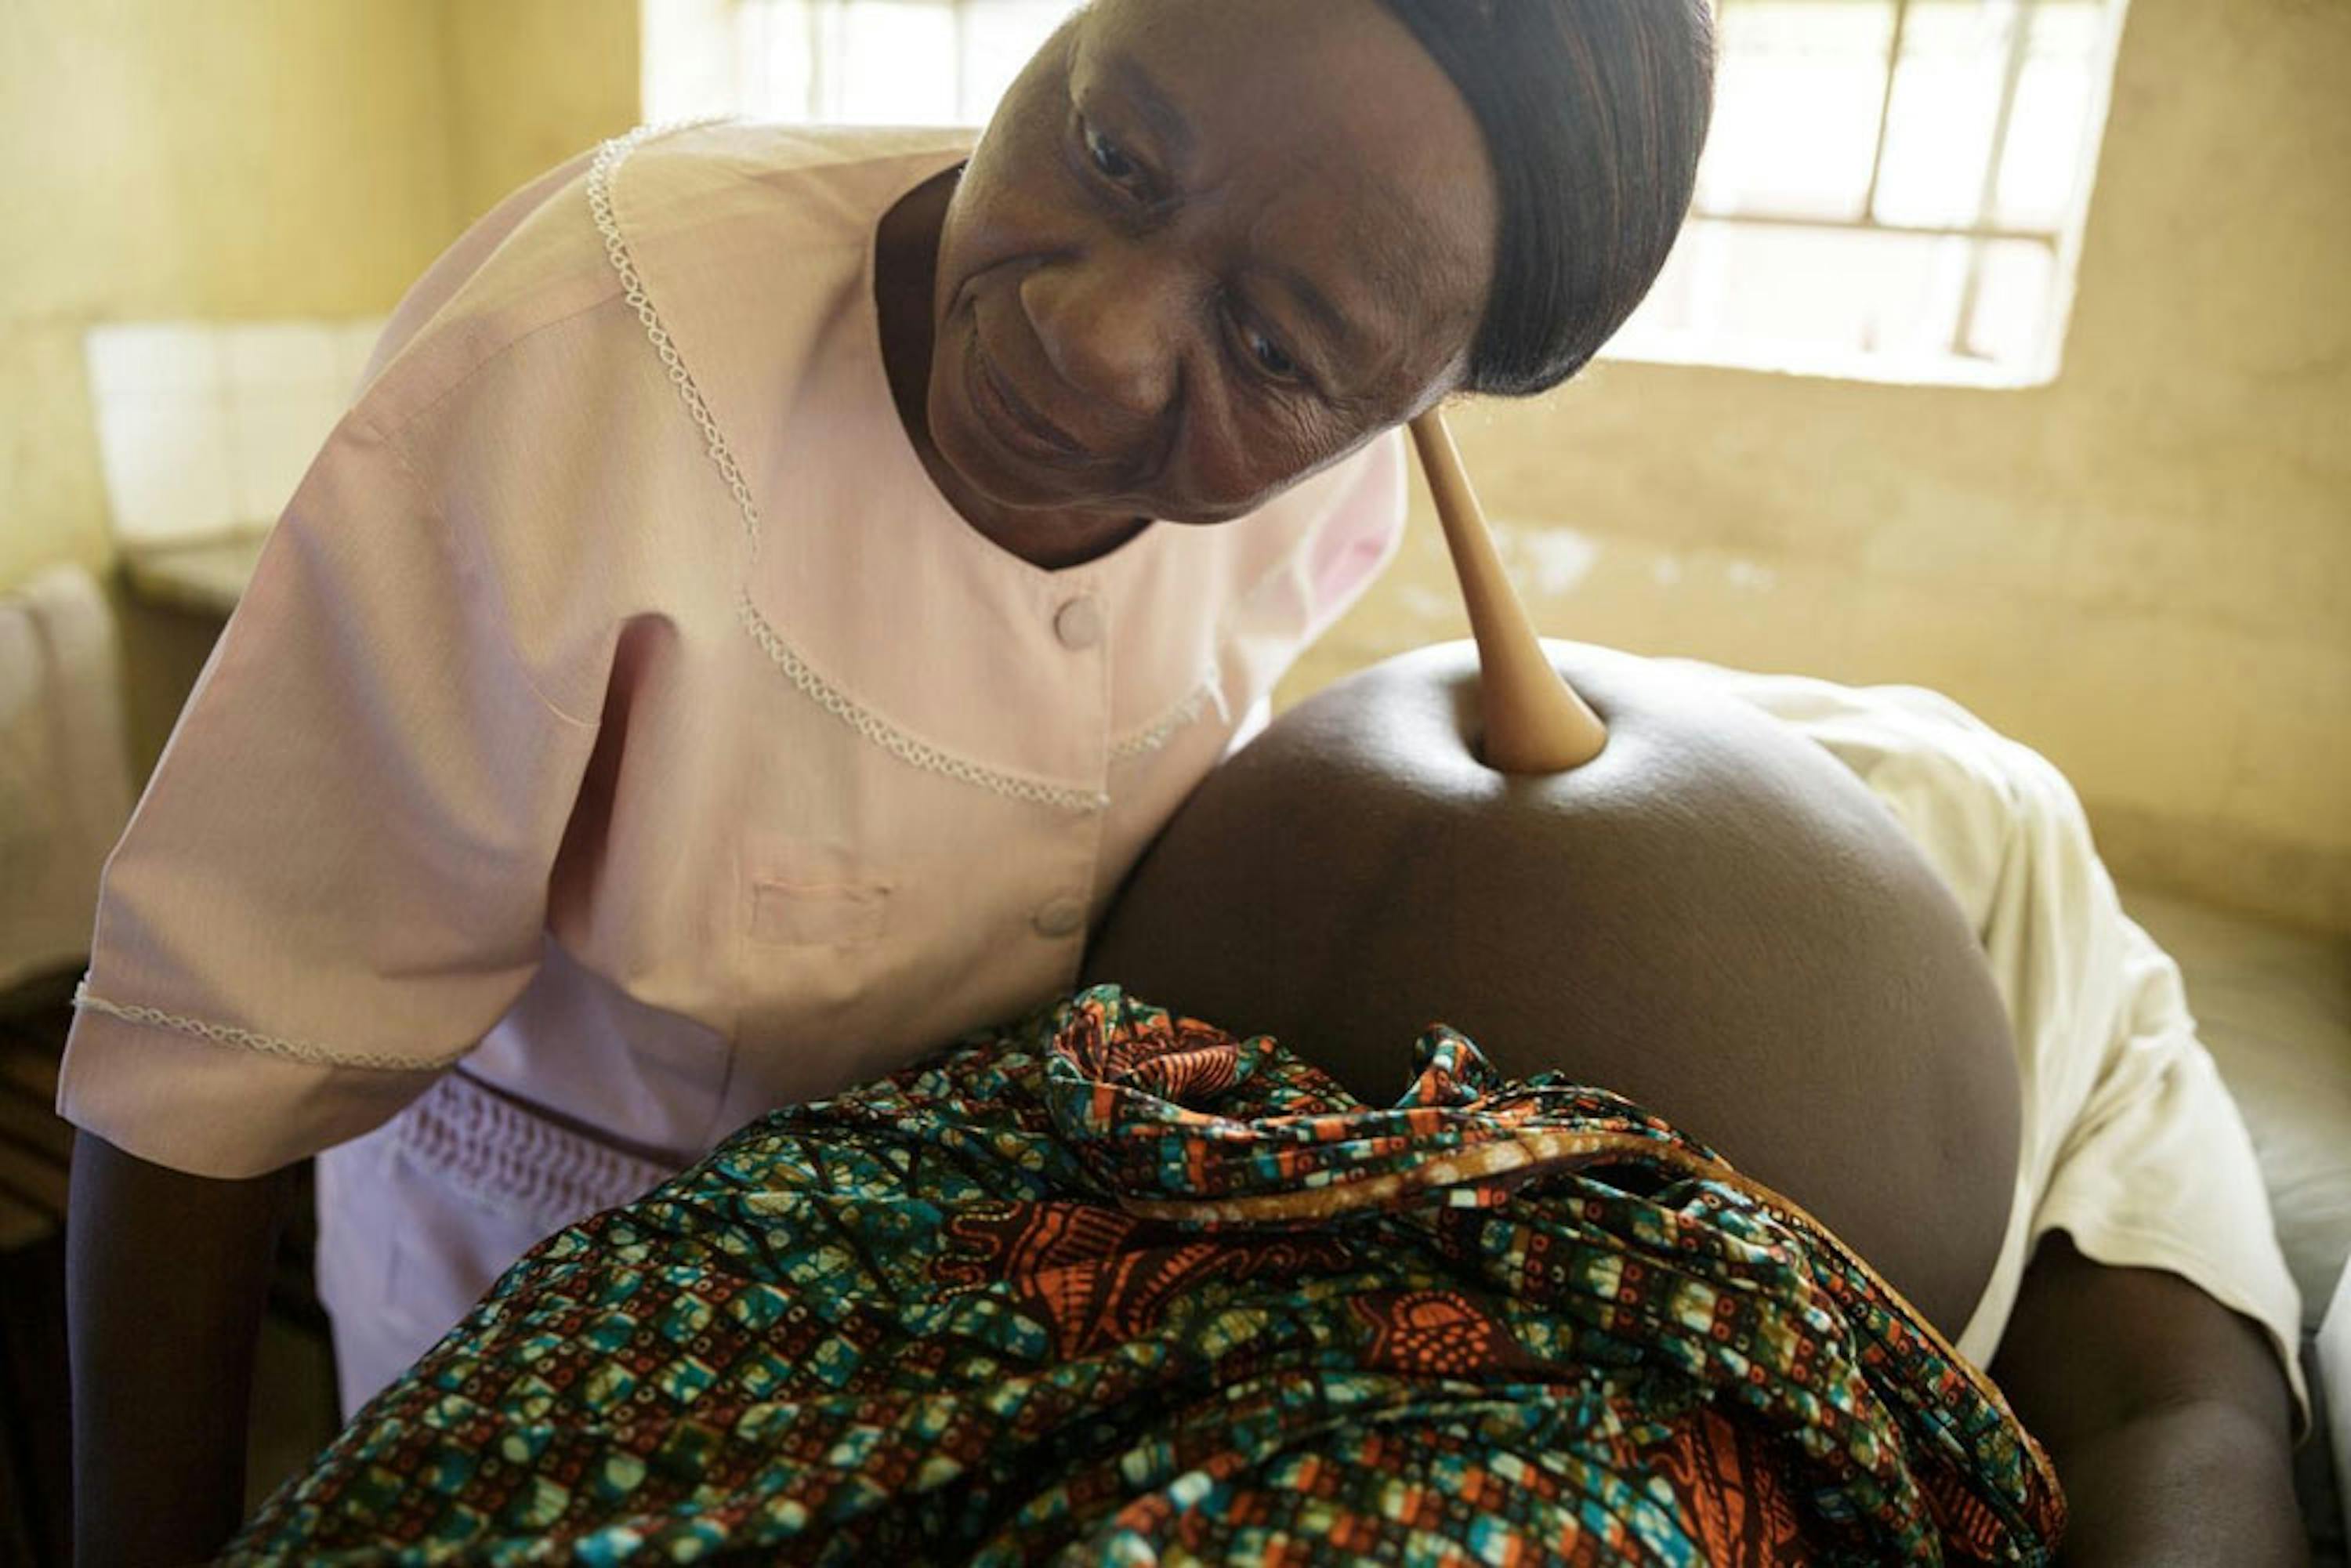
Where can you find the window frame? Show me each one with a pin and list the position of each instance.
(1954, 363)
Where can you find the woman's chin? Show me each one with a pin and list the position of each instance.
(988, 471)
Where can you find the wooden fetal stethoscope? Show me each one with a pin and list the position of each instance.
(1534, 721)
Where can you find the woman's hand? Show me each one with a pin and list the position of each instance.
(166, 1276)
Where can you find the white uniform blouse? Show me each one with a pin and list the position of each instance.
(620, 735)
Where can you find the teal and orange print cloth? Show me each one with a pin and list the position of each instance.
(1112, 1287)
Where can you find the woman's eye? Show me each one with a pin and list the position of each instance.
(1269, 355)
(1114, 165)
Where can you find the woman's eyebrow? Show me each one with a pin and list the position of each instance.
(1337, 327)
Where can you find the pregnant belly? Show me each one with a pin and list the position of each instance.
(1713, 918)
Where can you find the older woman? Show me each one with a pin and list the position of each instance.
(747, 612)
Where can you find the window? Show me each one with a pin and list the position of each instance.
(841, 62)
(1894, 189)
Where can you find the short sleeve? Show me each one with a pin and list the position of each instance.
(335, 882)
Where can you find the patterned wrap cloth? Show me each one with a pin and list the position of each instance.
(1112, 1287)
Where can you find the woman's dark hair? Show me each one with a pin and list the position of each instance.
(1594, 113)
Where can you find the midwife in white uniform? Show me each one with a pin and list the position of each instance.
(756, 608)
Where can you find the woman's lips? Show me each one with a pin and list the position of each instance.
(1012, 418)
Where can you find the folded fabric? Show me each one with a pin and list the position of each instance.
(1112, 1287)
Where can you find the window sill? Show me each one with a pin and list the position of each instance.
(205, 576)
(1821, 365)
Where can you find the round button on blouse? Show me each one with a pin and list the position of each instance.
(1079, 624)
(1062, 917)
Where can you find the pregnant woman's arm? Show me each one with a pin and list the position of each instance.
(2165, 1412)
(168, 1274)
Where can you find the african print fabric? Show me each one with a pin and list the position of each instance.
(1112, 1287)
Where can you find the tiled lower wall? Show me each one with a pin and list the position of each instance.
(204, 427)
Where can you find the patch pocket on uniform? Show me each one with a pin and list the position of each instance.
(819, 915)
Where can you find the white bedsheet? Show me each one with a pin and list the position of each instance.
(2131, 1143)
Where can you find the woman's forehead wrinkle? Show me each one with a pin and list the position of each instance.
(1378, 278)
(1158, 111)
(1410, 261)
(1344, 332)
(1407, 223)
(1334, 163)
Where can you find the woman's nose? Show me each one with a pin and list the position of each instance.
(1110, 324)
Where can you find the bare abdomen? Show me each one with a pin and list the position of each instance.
(1713, 918)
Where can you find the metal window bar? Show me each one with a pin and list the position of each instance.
(821, 40)
(1982, 231)
(819, 56)
(1979, 232)
(1885, 106)
(961, 21)
(826, 23)
(1865, 216)
(2020, 49)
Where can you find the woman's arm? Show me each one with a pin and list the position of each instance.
(2166, 1413)
(166, 1278)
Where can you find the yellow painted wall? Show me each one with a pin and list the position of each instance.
(160, 160)
(247, 159)
(532, 82)
(2143, 570)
